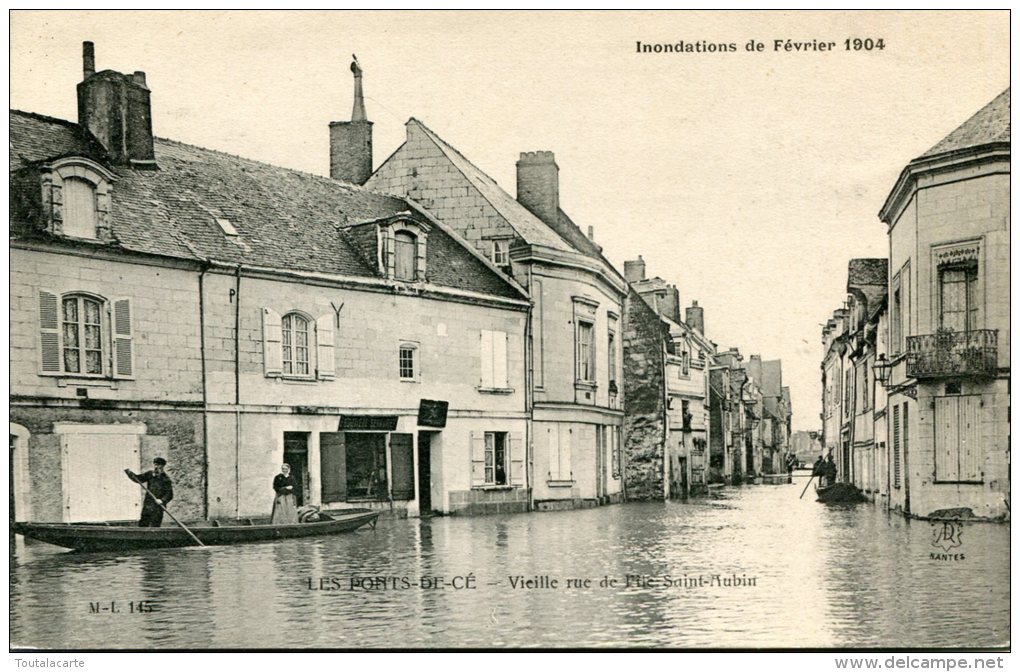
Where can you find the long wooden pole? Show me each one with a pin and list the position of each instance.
(183, 526)
(806, 486)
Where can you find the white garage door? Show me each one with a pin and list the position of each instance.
(95, 486)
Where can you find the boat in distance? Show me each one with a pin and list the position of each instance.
(126, 536)
(840, 493)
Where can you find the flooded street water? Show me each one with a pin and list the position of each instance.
(801, 575)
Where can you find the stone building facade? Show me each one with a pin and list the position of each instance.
(228, 316)
(574, 342)
(673, 403)
(948, 408)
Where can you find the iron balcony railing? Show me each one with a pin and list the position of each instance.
(948, 354)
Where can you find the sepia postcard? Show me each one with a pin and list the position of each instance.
(518, 330)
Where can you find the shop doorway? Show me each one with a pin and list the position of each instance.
(424, 473)
(295, 453)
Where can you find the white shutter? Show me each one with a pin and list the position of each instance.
(517, 478)
(486, 359)
(123, 340)
(566, 445)
(49, 332)
(477, 458)
(325, 357)
(272, 342)
(499, 359)
(98, 490)
(553, 449)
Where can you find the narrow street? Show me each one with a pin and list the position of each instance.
(791, 573)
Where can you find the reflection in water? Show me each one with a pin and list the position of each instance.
(805, 576)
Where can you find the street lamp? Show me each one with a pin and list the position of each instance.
(882, 368)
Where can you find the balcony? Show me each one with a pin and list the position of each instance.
(951, 354)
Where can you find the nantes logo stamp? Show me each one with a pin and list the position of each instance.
(947, 536)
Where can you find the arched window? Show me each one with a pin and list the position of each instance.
(79, 213)
(82, 334)
(295, 345)
(405, 246)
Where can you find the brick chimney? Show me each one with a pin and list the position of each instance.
(538, 185)
(634, 271)
(696, 317)
(115, 107)
(669, 302)
(350, 142)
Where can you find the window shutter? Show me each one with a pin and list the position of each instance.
(486, 358)
(325, 357)
(49, 332)
(123, 340)
(499, 359)
(566, 446)
(517, 477)
(553, 448)
(477, 458)
(272, 342)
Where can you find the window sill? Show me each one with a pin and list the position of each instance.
(495, 390)
(72, 380)
(585, 385)
(493, 487)
(552, 483)
(409, 380)
(288, 380)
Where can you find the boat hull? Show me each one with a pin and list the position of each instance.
(113, 537)
(840, 493)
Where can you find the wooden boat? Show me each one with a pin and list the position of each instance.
(126, 536)
(839, 493)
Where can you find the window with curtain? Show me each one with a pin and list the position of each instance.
(295, 345)
(585, 351)
(82, 334)
(958, 298)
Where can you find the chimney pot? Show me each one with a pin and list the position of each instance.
(117, 110)
(88, 58)
(696, 317)
(591, 232)
(350, 142)
(634, 271)
(538, 185)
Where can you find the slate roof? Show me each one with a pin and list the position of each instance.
(563, 234)
(285, 219)
(528, 226)
(34, 137)
(989, 125)
(867, 272)
(870, 278)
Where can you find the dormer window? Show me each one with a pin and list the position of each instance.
(405, 251)
(80, 215)
(402, 247)
(76, 198)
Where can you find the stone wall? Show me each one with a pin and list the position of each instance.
(644, 415)
(176, 435)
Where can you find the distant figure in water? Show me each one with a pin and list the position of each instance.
(830, 471)
(285, 504)
(819, 468)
